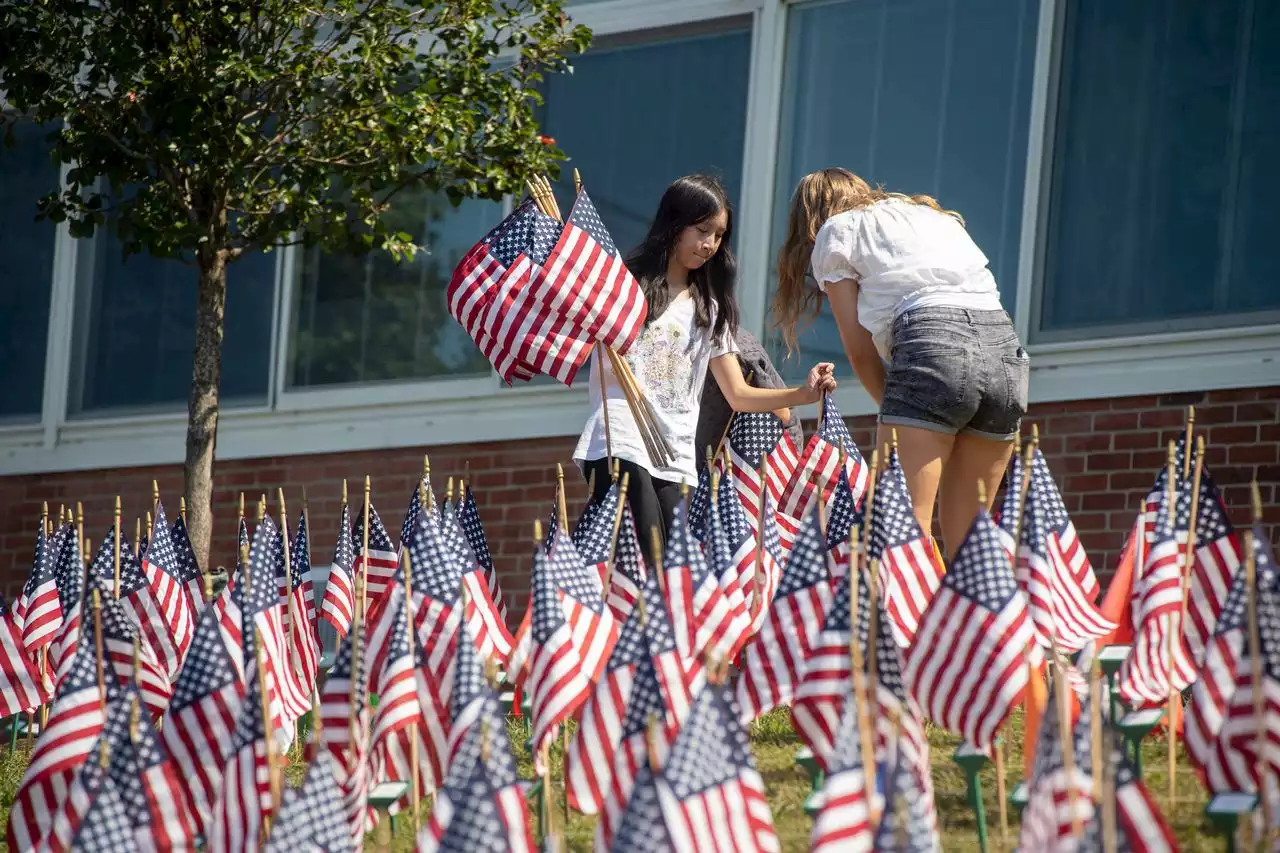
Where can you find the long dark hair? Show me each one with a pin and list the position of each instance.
(688, 201)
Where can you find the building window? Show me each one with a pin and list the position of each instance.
(367, 318)
(135, 331)
(1165, 169)
(26, 271)
(921, 96)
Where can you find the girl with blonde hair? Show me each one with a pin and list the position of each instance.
(921, 322)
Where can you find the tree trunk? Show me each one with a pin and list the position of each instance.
(202, 405)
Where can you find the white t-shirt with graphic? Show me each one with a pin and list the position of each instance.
(669, 360)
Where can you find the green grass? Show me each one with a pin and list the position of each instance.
(774, 745)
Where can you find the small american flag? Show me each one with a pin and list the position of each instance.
(843, 523)
(629, 574)
(400, 716)
(700, 501)
(244, 797)
(641, 827)
(311, 818)
(105, 827)
(339, 605)
(160, 565)
(189, 574)
(482, 806)
(712, 796)
(909, 564)
(1220, 722)
(412, 514)
(469, 518)
(593, 534)
(63, 746)
(843, 821)
(733, 551)
(120, 638)
(38, 613)
(1054, 570)
(1217, 561)
(1008, 517)
(264, 612)
(819, 466)
(147, 611)
(968, 665)
(1049, 816)
(700, 614)
(473, 286)
(206, 703)
(383, 558)
(907, 825)
(482, 611)
(344, 724)
(69, 574)
(773, 661)
(303, 633)
(22, 686)
(753, 437)
(468, 694)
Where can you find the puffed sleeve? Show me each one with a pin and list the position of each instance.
(835, 250)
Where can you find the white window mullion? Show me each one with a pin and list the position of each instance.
(282, 322)
(57, 365)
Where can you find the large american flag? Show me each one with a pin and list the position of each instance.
(711, 793)
(700, 614)
(482, 806)
(774, 660)
(244, 796)
(469, 518)
(310, 817)
(593, 534)
(1055, 572)
(628, 574)
(472, 287)
(646, 676)
(169, 587)
(907, 824)
(189, 574)
(303, 634)
(968, 666)
(819, 467)
(1221, 726)
(38, 613)
(206, 703)
(63, 746)
(843, 821)
(482, 611)
(732, 550)
(22, 685)
(910, 566)
(344, 713)
(339, 605)
(1056, 799)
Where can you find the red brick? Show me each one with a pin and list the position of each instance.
(1266, 411)
(1070, 423)
(1088, 442)
(1113, 421)
(1236, 434)
(1155, 418)
(1082, 483)
(1234, 394)
(1128, 404)
(1108, 461)
(1135, 440)
(1103, 501)
(1253, 454)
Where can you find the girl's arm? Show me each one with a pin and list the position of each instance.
(858, 346)
(744, 398)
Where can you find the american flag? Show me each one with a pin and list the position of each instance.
(482, 805)
(968, 666)
(63, 746)
(733, 551)
(593, 534)
(641, 827)
(843, 821)
(189, 574)
(303, 633)
(382, 561)
(819, 467)
(472, 287)
(105, 827)
(560, 629)
(774, 660)
(753, 437)
(712, 796)
(1140, 827)
(482, 612)
(206, 702)
(264, 612)
(1053, 570)
(907, 824)
(1049, 816)
(168, 586)
(22, 686)
(910, 567)
(344, 714)
(141, 773)
(1160, 661)
(339, 605)
(244, 797)
(1009, 516)
(147, 611)
(38, 613)
(1218, 555)
(69, 574)
(412, 514)
(1220, 722)
(400, 717)
(121, 639)
(310, 817)
(700, 501)
(701, 616)
(844, 521)
(646, 675)
(469, 518)
(570, 288)
(469, 692)
(628, 576)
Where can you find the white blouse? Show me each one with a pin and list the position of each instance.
(903, 255)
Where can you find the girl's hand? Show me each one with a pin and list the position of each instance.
(821, 380)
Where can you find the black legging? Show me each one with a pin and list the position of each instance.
(652, 500)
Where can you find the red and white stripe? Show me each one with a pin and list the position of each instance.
(147, 614)
(909, 575)
(843, 821)
(529, 333)
(339, 605)
(1216, 565)
(1049, 816)
(1060, 607)
(775, 659)
(244, 802)
(152, 681)
(22, 685)
(817, 472)
(175, 612)
(485, 621)
(381, 569)
(1153, 669)
(288, 697)
(342, 735)
(557, 682)
(304, 639)
(733, 817)
(42, 617)
(62, 651)
(512, 812)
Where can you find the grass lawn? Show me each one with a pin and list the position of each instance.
(775, 744)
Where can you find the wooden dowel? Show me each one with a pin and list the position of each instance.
(463, 636)
(364, 546)
(617, 527)
(604, 400)
(1173, 634)
(116, 555)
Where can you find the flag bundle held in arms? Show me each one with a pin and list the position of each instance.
(968, 665)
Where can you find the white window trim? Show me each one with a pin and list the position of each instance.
(472, 410)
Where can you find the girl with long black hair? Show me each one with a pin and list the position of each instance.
(687, 271)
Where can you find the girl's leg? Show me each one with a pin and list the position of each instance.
(923, 454)
(642, 497)
(972, 459)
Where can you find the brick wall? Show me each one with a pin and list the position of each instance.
(1104, 454)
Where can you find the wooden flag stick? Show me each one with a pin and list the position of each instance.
(560, 501)
(1255, 661)
(364, 544)
(182, 508)
(242, 506)
(617, 527)
(1108, 806)
(416, 783)
(137, 538)
(79, 521)
(273, 764)
(116, 556)
(1173, 635)
(1191, 428)
(577, 181)
(1095, 729)
(155, 494)
(44, 518)
(150, 528)
(655, 539)
(758, 604)
(102, 682)
(604, 402)
(1064, 734)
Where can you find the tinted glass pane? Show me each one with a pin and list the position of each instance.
(921, 96)
(1166, 166)
(136, 330)
(26, 271)
(360, 319)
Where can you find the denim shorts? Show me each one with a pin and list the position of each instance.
(956, 371)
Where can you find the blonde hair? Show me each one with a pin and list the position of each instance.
(818, 197)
